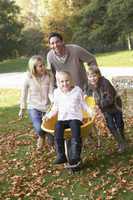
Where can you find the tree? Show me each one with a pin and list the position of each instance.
(103, 23)
(32, 42)
(120, 12)
(10, 29)
(57, 18)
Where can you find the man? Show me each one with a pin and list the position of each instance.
(69, 57)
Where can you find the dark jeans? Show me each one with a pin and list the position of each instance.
(36, 118)
(74, 125)
(114, 121)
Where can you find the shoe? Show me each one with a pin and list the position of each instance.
(60, 160)
(40, 143)
(122, 148)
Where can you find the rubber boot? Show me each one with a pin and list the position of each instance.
(75, 151)
(123, 144)
(50, 139)
(60, 150)
(122, 134)
(120, 140)
(40, 142)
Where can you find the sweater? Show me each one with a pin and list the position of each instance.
(36, 92)
(73, 63)
(69, 105)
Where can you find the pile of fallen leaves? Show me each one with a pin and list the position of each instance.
(28, 174)
(100, 123)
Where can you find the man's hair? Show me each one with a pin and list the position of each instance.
(55, 34)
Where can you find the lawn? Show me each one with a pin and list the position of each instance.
(26, 174)
(115, 59)
(119, 59)
(14, 65)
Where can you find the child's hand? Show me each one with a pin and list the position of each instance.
(21, 113)
(45, 118)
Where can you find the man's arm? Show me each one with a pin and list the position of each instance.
(86, 56)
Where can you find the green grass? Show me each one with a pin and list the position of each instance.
(122, 59)
(13, 65)
(9, 108)
(118, 59)
(27, 174)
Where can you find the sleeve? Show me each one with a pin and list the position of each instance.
(24, 94)
(51, 68)
(107, 95)
(86, 56)
(48, 62)
(51, 87)
(54, 109)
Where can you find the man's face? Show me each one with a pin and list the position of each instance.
(56, 44)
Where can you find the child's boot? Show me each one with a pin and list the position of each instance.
(121, 141)
(60, 150)
(75, 151)
(40, 142)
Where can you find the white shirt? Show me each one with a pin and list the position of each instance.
(68, 105)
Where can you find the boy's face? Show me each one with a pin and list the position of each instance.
(93, 78)
(64, 82)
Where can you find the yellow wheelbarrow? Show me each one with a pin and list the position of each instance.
(49, 126)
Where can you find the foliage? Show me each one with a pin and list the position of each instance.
(28, 174)
(57, 18)
(98, 26)
(32, 42)
(10, 29)
(103, 23)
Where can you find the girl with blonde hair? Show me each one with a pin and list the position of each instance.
(35, 95)
(68, 103)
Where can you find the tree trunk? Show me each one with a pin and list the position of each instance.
(129, 42)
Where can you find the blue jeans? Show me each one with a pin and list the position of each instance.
(62, 125)
(36, 118)
(114, 121)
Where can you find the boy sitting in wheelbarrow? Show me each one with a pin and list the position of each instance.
(68, 105)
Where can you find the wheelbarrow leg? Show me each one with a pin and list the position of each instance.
(72, 167)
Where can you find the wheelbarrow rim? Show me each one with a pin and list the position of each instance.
(86, 124)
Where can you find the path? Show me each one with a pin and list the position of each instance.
(15, 80)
